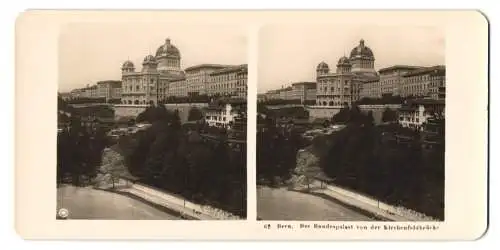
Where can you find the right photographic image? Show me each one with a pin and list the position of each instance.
(351, 123)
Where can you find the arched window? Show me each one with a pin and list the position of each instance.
(324, 103)
(129, 102)
(331, 103)
(136, 102)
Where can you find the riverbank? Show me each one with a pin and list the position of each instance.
(369, 214)
(361, 202)
(347, 199)
(168, 202)
(156, 205)
(284, 204)
(87, 203)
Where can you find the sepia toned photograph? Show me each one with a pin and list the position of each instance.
(362, 125)
(351, 123)
(151, 122)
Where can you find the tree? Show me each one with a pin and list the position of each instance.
(342, 116)
(195, 114)
(389, 115)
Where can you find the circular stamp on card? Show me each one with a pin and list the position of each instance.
(63, 213)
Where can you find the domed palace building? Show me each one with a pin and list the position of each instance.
(145, 86)
(161, 77)
(341, 86)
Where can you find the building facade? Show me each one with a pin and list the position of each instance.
(229, 82)
(161, 77)
(286, 93)
(110, 90)
(310, 95)
(370, 88)
(303, 91)
(198, 78)
(425, 82)
(220, 116)
(437, 86)
(391, 79)
(261, 97)
(272, 94)
(345, 85)
(416, 113)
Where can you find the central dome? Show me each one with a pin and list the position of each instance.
(168, 49)
(361, 50)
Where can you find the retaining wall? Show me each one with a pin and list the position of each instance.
(206, 210)
(372, 205)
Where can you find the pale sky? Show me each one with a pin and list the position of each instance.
(290, 53)
(91, 52)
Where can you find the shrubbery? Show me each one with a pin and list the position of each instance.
(179, 161)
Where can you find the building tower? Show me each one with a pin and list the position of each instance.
(128, 67)
(322, 69)
(344, 65)
(150, 80)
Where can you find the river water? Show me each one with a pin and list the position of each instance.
(282, 204)
(89, 203)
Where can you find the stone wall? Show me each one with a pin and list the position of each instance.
(179, 203)
(316, 112)
(378, 110)
(184, 108)
(124, 110)
(395, 213)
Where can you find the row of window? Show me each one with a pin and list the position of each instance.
(363, 64)
(216, 118)
(173, 63)
(332, 89)
(338, 82)
(228, 77)
(409, 119)
(136, 102)
(330, 103)
(139, 88)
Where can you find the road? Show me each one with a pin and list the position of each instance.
(281, 204)
(89, 203)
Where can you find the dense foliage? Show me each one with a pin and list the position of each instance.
(79, 147)
(182, 162)
(388, 162)
(389, 115)
(276, 147)
(367, 159)
(195, 114)
(353, 115)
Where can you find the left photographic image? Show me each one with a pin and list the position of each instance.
(152, 122)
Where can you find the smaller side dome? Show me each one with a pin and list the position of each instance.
(128, 64)
(149, 59)
(322, 66)
(344, 61)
